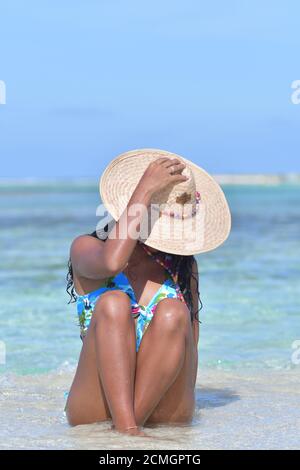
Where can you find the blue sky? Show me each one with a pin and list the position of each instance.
(88, 80)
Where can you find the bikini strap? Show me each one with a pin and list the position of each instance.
(166, 262)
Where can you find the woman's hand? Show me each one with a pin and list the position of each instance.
(161, 173)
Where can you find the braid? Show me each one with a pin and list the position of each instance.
(70, 284)
(183, 265)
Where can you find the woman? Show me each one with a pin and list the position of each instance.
(137, 292)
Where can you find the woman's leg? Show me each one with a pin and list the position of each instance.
(87, 401)
(166, 367)
(103, 386)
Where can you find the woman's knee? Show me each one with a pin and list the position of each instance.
(172, 315)
(112, 306)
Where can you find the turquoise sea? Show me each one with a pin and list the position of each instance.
(250, 290)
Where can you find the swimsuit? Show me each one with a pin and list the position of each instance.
(143, 313)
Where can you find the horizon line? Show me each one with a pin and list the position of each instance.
(221, 178)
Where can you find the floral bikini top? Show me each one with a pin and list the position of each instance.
(169, 289)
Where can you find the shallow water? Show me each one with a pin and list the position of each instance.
(249, 288)
(235, 410)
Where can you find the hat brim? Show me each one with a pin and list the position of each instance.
(203, 232)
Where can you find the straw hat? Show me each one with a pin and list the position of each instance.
(186, 218)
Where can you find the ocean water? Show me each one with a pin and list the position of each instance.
(250, 321)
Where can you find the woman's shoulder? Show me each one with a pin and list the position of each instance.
(83, 243)
(85, 248)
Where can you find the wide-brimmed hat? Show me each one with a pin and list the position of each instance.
(185, 218)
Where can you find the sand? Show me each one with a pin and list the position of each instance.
(252, 410)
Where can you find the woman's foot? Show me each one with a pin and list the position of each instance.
(131, 430)
(137, 431)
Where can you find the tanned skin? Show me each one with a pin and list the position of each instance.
(112, 380)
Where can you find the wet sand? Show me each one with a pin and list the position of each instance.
(253, 410)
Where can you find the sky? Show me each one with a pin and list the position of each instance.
(86, 81)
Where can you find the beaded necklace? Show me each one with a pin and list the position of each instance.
(166, 264)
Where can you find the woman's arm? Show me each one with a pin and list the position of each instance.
(94, 259)
(194, 291)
